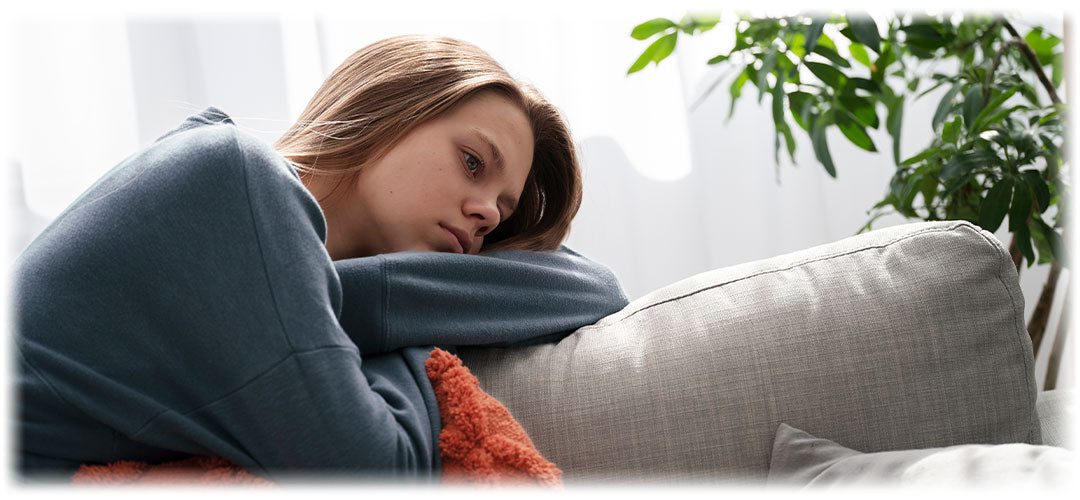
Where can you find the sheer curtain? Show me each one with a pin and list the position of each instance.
(671, 190)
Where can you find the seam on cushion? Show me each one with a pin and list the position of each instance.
(258, 240)
(791, 266)
(244, 385)
(1020, 328)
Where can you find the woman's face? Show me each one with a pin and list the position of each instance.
(444, 186)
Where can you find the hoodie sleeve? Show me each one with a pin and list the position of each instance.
(502, 298)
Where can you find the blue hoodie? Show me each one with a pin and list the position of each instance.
(185, 305)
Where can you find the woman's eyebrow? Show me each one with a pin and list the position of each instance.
(495, 153)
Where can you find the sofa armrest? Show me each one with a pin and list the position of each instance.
(906, 337)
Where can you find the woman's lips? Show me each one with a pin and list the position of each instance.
(455, 241)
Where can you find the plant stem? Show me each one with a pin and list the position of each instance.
(1036, 327)
(1017, 257)
(1033, 60)
(1041, 315)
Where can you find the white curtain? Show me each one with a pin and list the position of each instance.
(670, 191)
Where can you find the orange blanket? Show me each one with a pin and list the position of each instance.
(480, 444)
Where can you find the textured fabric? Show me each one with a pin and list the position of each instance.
(210, 471)
(1058, 416)
(185, 305)
(905, 337)
(481, 443)
(802, 460)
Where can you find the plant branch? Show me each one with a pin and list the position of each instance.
(1033, 60)
(1040, 316)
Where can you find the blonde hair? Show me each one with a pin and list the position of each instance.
(383, 91)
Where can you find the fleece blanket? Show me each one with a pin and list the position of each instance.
(480, 443)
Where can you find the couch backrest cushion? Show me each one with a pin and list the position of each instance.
(905, 337)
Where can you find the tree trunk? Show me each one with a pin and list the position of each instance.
(1041, 315)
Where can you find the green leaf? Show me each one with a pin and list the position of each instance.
(719, 59)
(967, 161)
(858, 51)
(821, 146)
(951, 131)
(832, 56)
(763, 30)
(1042, 47)
(651, 27)
(736, 87)
(767, 66)
(1057, 66)
(992, 106)
(992, 210)
(778, 100)
(1038, 238)
(911, 188)
(698, 23)
(861, 107)
(1053, 239)
(789, 141)
(928, 187)
(655, 52)
(1038, 186)
(1023, 240)
(953, 185)
(1021, 207)
(854, 131)
(923, 35)
(931, 89)
(973, 102)
(828, 74)
(920, 157)
(796, 44)
(867, 85)
(996, 117)
(800, 103)
(944, 106)
(813, 33)
(894, 123)
(866, 31)
(887, 57)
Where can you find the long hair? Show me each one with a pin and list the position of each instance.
(385, 90)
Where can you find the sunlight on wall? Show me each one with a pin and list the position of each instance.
(70, 60)
(556, 52)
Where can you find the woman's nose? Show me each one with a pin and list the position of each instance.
(483, 214)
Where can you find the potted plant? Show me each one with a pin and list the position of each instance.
(999, 130)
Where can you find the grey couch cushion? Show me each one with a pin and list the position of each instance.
(905, 337)
(802, 460)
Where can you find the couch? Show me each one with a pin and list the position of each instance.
(904, 338)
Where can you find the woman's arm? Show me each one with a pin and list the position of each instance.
(404, 299)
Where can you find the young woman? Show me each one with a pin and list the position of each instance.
(212, 295)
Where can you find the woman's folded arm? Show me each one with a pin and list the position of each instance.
(404, 299)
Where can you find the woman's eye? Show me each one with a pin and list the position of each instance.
(472, 163)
